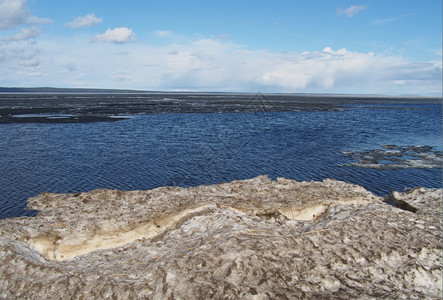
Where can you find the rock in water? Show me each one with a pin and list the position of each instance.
(249, 239)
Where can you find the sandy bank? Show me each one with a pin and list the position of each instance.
(250, 239)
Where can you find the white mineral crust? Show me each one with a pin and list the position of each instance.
(249, 239)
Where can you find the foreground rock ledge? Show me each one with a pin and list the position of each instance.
(250, 239)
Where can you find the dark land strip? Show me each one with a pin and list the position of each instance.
(100, 107)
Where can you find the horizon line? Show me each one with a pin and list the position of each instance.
(43, 89)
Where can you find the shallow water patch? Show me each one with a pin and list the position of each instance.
(397, 157)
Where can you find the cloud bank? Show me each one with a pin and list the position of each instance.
(85, 21)
(118, 35)
(217, 65)
(205, 64)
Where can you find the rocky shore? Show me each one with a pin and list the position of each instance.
(249, 239)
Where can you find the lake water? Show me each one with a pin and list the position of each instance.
(371, 145)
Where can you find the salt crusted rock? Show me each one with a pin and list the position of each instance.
(250, 239)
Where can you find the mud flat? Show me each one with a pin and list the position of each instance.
(249, 239)
(109, 107)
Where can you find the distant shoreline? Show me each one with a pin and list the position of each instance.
(51, 90)
(101, 106)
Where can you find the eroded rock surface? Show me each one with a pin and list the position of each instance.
(250, 239)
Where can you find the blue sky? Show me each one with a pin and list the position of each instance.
(372, 47)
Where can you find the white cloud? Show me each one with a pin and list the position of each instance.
(13, 13)
(222, 36)
(117, 35)
(30, 63)
(389, 20)
(163, 33)
(351, 11)
(69, 68)
(214, 65)
(86, 21)
(23, 35)
(16, 12)
(35, 20)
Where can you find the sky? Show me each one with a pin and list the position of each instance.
(312, 46)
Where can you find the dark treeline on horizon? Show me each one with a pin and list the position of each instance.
(130, 91)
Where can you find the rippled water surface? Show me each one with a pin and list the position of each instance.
(149, 151)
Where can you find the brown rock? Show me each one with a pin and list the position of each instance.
(250, 239)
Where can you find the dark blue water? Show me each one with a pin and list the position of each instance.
(149, 151)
